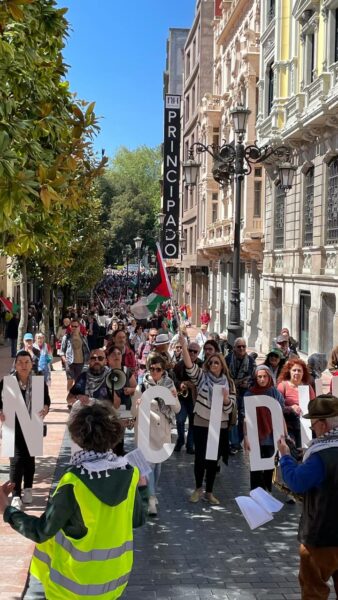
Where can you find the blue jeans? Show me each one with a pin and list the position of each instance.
(13, 347)
(153, 477)
(187, 410)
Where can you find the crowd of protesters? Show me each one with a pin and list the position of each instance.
(102, 339)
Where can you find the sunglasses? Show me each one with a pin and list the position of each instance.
(156, 369)
(95, 357)
(214, 362)
(178, 347)
(193, 351)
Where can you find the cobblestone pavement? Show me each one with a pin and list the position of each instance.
(208, 553)
(190, 551)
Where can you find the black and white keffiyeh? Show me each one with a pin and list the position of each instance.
(97, 462)
(328, 440)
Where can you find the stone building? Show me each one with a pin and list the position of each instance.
(235, 71)
(298, 105)
(198, 76)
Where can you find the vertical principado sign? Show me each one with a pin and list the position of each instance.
(171, 176)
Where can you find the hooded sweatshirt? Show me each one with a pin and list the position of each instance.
(63, 511)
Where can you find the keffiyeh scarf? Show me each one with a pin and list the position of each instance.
(328, 440)
(91, 462)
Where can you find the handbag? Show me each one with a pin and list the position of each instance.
(277, 477)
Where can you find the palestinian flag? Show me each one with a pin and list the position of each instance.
(159, 291)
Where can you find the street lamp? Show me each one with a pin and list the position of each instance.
(138, 243)
(160, 219)
(232, 162)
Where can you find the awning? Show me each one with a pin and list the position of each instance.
(7, 303)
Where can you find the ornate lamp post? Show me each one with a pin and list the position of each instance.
(138, 243)
(232, 162)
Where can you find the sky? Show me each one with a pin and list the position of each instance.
(117, 52)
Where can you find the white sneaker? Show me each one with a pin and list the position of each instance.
(152, 508)
(27, 497)
(16, 502)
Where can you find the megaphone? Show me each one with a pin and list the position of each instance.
(116, 379)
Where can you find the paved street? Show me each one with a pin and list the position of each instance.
(189, 551)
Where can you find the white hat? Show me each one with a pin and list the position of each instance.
(161, 338)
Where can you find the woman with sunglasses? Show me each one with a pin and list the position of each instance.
(213, 372)
(162, 419)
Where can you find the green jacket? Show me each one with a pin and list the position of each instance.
(63, 511)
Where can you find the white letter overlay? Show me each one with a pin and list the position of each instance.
(14, 405)
(251, 403)
(151, 455)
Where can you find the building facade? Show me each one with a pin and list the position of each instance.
(298, 106)
(235, 77)
(198, 77)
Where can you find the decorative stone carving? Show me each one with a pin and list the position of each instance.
(307, 262)
(331, 261)
(279, 262)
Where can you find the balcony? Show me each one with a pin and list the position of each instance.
(316, 92)
(294, 109)
(334, 75)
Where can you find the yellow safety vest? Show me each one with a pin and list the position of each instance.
(96, 567)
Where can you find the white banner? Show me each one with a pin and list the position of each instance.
(143, 431)
(14, 406)
(305, 424)
(215, 422)
(251, 403)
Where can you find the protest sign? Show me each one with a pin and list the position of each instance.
(215, 423)
(251, 403)
(31, 425)
(143, 431)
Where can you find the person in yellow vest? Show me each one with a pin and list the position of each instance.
(85, 536)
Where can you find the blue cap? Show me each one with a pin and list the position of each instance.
(28, 336)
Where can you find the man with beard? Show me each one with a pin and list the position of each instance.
(92, 383)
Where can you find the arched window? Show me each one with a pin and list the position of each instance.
(332, 203)
(308, 206)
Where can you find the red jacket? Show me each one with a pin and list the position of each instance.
(128, 359)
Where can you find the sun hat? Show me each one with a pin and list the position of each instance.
(28, 336)
(323, 407)
(161, 338)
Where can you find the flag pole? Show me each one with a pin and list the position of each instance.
(176, 315)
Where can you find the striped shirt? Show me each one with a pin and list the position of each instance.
(202, 406)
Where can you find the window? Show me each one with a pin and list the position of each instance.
(270, 76)
(187, 65)
(308, 207)
(304, 308)
(257, 198)
(279, 218)
(332, 203)
(309, 58)
(187, 109)
(215, 136)
(190, 240)
(193, 99)
(214, 213)
(271, 9)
